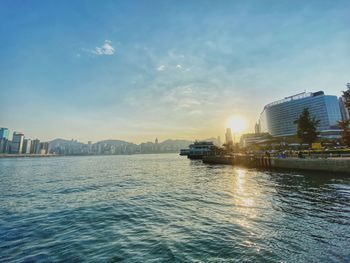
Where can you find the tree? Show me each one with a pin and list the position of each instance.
(307, 127)
(345, 133)
(345, 124)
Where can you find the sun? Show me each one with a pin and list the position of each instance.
(236, 123)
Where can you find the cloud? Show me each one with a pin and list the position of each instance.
(161, 68)
(105, 49)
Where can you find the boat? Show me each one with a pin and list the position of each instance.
(197, 150)
(184, 152)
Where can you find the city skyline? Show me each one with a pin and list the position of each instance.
(135, 71)
(9, 133)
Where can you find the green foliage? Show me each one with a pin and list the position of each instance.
(307, 127)
(345, 125)
(346, 95)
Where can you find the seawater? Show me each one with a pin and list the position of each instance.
(166, 208)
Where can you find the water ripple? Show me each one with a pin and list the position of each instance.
(164, 208)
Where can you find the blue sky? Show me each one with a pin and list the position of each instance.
(137, 70)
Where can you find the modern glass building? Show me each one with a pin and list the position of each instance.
(17, 142)
(4, 133)
(277, 118)
(27, 143)
(35, 146)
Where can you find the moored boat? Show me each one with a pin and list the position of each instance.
(197, 150)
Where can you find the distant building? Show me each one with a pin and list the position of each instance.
(218, 141)
(277, 118)
(4, 133)
(44, 148)
(228, 136)
(89, 147)
(345, 113)
(156, 145)
(249, 139)
(257, 128)
(4, 142)
(5, 145)
(17, 143)
(35, 146)
(27, 143)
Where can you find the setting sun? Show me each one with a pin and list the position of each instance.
(236, 123)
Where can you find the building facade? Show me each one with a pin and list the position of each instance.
(44, 148)
(228, 136)
(4, 133)
(277, 118)
(27, 143)
(249, 139)
(35, 146)
(17, 143)
(4, 145)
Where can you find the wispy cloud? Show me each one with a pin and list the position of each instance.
(105, 49)
(161, 68)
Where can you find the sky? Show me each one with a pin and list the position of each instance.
(137, 70)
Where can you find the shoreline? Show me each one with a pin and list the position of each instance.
(24, 155)
(332, 164)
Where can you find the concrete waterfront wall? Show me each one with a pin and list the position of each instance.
(330, 165)
(218, 159)
(341, 165)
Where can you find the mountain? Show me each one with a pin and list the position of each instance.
(108, 147)
(175, 143)
(115, 142)
(64, 143)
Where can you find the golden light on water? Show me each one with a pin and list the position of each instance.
(237, 123)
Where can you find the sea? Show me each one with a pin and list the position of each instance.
(166, 208)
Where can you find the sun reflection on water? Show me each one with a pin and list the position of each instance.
(246, 198)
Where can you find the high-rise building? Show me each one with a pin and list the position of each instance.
(228, 136)
(4, 142)
(156, 145)
(4, 133)
(27, 143)
(89, 147)
(345, 113)
(17, 142)
(218, 141)
(4, 145)
(35, 146)
(44, 148)
(277, 118)
(257, 128)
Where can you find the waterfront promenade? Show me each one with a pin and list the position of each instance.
(310, 163)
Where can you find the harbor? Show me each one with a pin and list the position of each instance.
(333, 165)
(293, 160)
(93, 207)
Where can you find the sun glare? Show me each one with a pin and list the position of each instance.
(236, 123)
